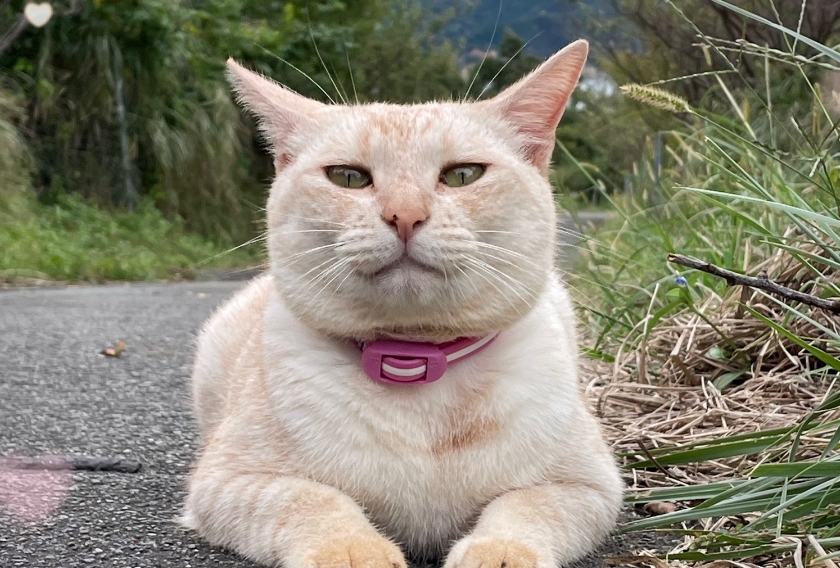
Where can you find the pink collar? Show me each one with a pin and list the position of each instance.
(416, 362)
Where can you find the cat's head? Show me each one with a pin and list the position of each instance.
(426, 221)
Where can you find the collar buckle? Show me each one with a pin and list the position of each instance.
(403, 362)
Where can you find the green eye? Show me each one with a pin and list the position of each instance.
(461, 175)
(345, 176)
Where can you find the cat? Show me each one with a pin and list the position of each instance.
(402, 229)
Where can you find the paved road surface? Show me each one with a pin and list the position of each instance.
(58, 395)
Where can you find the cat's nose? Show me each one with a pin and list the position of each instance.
(405, 220)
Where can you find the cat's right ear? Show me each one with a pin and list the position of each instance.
(280, 111)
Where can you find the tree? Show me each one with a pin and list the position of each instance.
(127, 99)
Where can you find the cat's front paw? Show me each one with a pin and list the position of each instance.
(356, 552)
(494, 553)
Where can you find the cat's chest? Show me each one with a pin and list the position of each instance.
(440, 452)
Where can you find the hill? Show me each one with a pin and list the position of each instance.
(549, 24)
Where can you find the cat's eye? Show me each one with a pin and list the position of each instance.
(461, 175)
(346, 176)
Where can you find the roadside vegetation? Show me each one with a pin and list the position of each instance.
(722, 399)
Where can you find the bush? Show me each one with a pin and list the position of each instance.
(76, 241)
(723, 398)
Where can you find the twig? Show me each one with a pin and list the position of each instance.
(762, 283)
(653, 460)
(77, 463)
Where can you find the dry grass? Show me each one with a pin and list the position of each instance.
(716, 371)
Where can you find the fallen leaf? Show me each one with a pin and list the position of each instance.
(660, 508)
(115, 351)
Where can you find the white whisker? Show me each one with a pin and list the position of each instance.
(314, 220)
(299, 255)
(338, 269)
(486, 51)
(508, 251)
(311, 80)
(498, 274)
(502, 232)
(230, 250)
(327, 272)
(483, 276)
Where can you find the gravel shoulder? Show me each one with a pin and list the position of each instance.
(59, 395)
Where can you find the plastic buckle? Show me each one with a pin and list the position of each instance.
(421, 353)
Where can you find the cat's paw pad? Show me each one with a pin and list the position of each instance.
(492, 553)
(359, 552)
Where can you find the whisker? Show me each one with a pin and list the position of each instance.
(468, 279)
(314, 220)
(511, 58)
(497, 275)
(499, 272)
(321, 59)
(503, 232)
(350, 70)
(314, 269)
(572, 233)
(327, 272)
(508, 251)
(313, 81)
(486, 51)
(499, 290)
(272, 233)
(341, 266)
(299, 255)
(230, 250)
(343, 280)
(493, 256)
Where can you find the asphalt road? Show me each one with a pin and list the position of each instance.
(60, 396)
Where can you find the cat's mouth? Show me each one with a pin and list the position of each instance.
(407, 265)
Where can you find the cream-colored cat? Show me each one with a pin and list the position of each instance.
(423, 223)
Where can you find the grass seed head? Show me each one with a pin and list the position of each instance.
(659, 98)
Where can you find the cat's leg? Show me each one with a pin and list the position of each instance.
(546, 526)
(286, 521)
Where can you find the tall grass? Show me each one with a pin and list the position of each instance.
(15, 161)
(755, 189)
(72, 240)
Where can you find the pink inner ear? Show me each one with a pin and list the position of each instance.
(537, 122)
(536, 103)
(280, 111)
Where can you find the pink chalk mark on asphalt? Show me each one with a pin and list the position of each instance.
(32, 489)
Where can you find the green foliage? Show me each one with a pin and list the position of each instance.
(128, 99)
(75, 241)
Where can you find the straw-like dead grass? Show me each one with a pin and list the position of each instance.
(717, 370)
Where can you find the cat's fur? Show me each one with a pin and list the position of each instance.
(307, 462)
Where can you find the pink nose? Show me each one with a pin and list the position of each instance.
(405, 221)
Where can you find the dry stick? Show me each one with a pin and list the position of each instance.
(653, 460)
(762, 283)
(78, 463)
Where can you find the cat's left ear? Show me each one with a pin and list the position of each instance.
(535, 104)
(280, 111)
